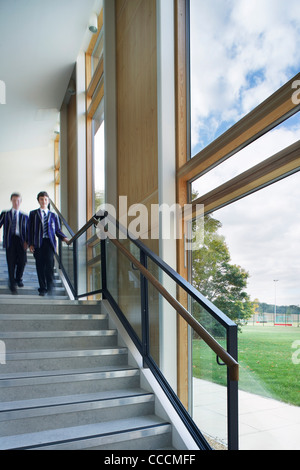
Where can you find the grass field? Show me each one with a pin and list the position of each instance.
(266, 362)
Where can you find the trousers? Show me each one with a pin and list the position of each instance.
(44, 260)
(16, 261)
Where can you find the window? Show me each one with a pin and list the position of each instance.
(95, 120)
(243, 135)
(98, 158)
(240, 53)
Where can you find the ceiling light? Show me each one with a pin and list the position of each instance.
(93, 23)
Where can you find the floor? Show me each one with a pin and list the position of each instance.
(264, 424)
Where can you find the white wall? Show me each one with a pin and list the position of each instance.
(27, 172)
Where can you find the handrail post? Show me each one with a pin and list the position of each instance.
(75, 268)
(103, 268)
(232, 393)
(59, 253)
(144, 310)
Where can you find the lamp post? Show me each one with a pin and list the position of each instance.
(275, 280)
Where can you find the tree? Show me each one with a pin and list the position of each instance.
(217, 279)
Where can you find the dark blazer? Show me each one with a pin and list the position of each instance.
(35, 232)
(6, 220)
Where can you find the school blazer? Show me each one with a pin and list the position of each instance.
(6, 221)
(35, 232)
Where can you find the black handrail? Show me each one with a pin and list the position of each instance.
(229, 356)
(61, 217)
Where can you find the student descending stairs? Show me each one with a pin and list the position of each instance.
(67, 381)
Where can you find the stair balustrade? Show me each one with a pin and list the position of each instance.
(140, 287)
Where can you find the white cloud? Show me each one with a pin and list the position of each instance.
(263, 235)
(241, 52)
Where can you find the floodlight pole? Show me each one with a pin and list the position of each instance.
(275, 280)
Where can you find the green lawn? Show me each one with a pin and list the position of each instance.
(266, 365)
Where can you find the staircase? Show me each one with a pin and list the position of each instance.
(68, 383)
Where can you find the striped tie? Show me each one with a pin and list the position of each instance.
(45, 225)
(14, 223)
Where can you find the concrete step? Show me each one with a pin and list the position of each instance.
(15, 322)
(32, 290)
(143, 432)
(42, 384)
(11, 297)
(66, 411)
(66, 359)
(58, 340)
(41, 306)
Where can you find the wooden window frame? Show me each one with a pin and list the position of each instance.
(56, 170)
(94, 95)
(267, 115)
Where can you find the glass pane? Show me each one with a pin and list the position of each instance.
(261, 233)
(240, 53)
(271, 143)
(209, 393)
(99, 157)
(67, 256)
(97, 52)
(89, 262)
(207, 384)
(123, 283)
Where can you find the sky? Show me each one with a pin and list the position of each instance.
(241, 52)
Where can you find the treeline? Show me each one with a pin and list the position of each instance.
(283, 309)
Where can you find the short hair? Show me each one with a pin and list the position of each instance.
(15, 195)
(43, 194)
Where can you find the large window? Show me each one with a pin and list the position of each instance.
(241, 53)
(243, 147)
(95, 121)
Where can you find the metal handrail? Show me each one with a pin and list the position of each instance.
(232, 364)
(62, 218)
(145, 253)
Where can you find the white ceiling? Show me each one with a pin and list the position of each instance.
(39, 43)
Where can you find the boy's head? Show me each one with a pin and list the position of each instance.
(16, 200)
(43, 199)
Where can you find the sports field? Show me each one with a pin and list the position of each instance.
(269, 358)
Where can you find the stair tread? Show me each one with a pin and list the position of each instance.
(65, 353)
(38, 403)
(35, 375)
(81, 432)
(56, 334)
(52, 316)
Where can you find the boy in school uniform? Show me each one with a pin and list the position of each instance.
(44, 227)
(15, 238)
